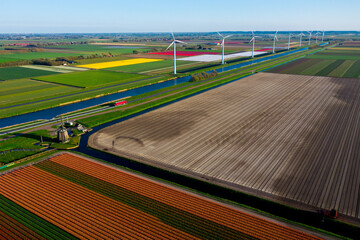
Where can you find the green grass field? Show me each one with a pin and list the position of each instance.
(95, 78)
(86, 48)
(145, 67)
(22, 90)
(5, 59)
(25, 141)
(36, 55)
(21, 72)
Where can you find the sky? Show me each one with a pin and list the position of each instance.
(79, 16)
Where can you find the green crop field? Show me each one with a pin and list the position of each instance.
(23, 145)
(332, 63)
(21, 72)
(86, 48)
(321, 67)
(18, 91)
(144, 67)
(37, 55)
(5, 59)
(93, 78)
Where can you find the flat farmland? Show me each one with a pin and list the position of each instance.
(338, 53)
(21, 72)
(36, 55)
(23, 90)
(290, 138)
(321, 67)
(93, 78)
(89, 200)
(148, 67)
(119, 63)
(5, 59)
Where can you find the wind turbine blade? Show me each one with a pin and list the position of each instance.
(252, 32)
(170, 45)
(276, 38)
(228, 36)
(173, 35)
(180, 41)
(252, 39)
(220, 35)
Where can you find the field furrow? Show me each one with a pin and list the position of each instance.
(287, 136)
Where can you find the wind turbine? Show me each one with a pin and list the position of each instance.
(301, 35)
(317, 35)
(223, 46)
(275, 39)
(322, 38)
(289, 41)
(253, 41)
(174, 43)
(309, 37)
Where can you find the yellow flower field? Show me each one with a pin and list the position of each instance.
(345, 48)
(119, 63)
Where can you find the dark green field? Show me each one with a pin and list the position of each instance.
(93, 78)
(21, 72)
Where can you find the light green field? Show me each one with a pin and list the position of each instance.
(144, 67)
(94, 78)
(21, 72)
(19, 91)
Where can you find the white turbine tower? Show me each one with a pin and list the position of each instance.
(253, 41)
(317, 35)
(174, 43)
(289, 41)
(275, 39)
(309, 37)
(322, 38)
(223, 46)
(301, 35)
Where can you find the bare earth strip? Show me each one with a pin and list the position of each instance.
(291, 138)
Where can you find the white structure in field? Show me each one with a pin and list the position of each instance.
(289, 41)
(275, 39)
(253, 41)
(212, 57)
(301, 35)
(223, 46)
(309, 37)
(174, 43)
